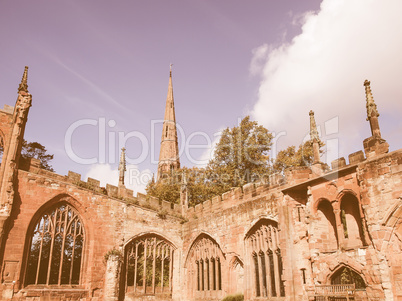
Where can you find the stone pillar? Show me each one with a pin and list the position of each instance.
(112, 278)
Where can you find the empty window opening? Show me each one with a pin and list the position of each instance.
(56, 247)
(149, 266)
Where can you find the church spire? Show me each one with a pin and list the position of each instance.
(314, 138)
(372, 113)
(24, 81)
(169, 152)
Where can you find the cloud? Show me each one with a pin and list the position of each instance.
(135, 179)
(323, 69)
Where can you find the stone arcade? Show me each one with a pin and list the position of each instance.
(311, 232)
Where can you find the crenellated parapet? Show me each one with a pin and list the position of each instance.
(265, 192)
(120, 193)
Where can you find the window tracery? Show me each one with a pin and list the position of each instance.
(206, 258)
(149, 265)
(56, 248)
(266, 258)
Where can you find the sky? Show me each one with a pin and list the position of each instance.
(99, 70)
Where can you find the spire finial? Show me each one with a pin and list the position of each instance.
(372, 113)
(122, 166)
(313, 127)
(370, 104)
(24, 81)
(314, 138)
(171, 69)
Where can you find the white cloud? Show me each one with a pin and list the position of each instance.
(134, 178)
(324, 67)
(208, 154)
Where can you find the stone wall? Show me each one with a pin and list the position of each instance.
(109, 223)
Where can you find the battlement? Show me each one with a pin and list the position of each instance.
(254, 191)
(292, 176)
(240, 195)
(117, 192)
(125, 194)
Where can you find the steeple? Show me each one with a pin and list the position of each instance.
(122, 166)
(314, 138)
(169, 152)
(372, 113)
(24, 81)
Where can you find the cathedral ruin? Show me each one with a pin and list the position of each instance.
(312, 233)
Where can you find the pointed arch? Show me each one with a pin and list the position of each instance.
(55, 244)
(345, 274)
(236, 275)
(264, 256)
(350, 216)
(204, 263)
(325, 225)
(151, 233)
(260, 220)
(148, 265)
(197, 238)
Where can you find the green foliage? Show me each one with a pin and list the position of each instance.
(167, 188)
(162, 214)
(38, 151)
(348, 276)
(291, 157)
(237, 297)
(241, 155)
(198, 185)
(114, 252)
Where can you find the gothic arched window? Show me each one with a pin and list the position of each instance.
(265, 255)
(351, 219)
(149, 265)
(345, 275)
(56, 248)
(326, 226)
(205, 265)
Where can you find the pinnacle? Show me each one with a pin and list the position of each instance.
(24, 81)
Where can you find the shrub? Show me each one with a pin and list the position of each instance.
(237, 297)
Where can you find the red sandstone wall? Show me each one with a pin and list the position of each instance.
(109, 223)
(381, 182)
(227, 220)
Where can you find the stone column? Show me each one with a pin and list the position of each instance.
(112, 278)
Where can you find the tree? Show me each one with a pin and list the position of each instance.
(167, 188)
(290, 157)
(38, 151)
(241, 155)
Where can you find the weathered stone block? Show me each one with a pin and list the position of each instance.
(112, 191)
(93, 183)
(338, 163)
(166, 205)
(73, 176)
(216, 199)
(154, 202)
(356, 157)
